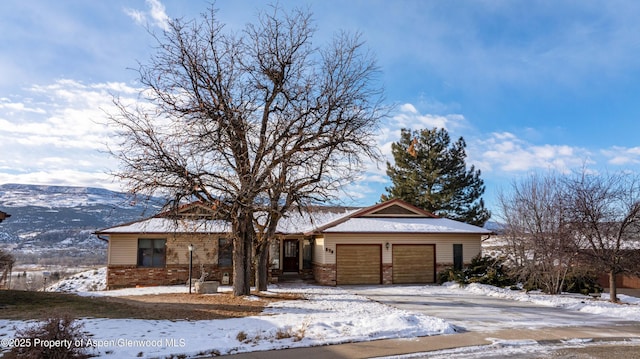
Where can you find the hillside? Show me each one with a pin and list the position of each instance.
(54, 224)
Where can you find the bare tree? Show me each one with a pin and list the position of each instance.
(605, 213)
(250, 123)
(6, 266)
(540, 246)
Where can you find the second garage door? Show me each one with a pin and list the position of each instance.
(413, 263)
(358, 264)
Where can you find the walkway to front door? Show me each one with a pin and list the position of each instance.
(290, 260)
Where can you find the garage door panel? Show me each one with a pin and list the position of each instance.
(413, 263)
(358, 264)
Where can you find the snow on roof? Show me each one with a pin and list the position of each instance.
(294, 222)
(308, 221)
(317, 220)
(169, 225)
(404, 225)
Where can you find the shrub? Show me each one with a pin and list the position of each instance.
(60, 329)
(582, 282)
(483, 270)
(242, 336)
(450, 274)
(488, 270)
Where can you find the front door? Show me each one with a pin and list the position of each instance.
(290, 259)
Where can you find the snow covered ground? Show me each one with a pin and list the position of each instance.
(330, 315)
(86, 281)
(629, 309)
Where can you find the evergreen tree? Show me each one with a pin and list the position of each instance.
(430, 173)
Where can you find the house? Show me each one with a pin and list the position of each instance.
(390, 242)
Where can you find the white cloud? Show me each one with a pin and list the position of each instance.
(137, 16)
(6, 103)
(409, 117)
(504, 151)
(156, 13)
(64, 141)
(620, 156)
(408, 108)
(62, 177)
(499, 155)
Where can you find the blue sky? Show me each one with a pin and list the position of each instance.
(530, 85)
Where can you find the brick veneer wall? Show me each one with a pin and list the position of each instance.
(387, 273)
(324, 274)
(119, 276)
(442, 266)
(622, 281)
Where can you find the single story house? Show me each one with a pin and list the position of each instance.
(390, 242)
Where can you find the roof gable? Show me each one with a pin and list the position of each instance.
(194, 210)
(394, 208)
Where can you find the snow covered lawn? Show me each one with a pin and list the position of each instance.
(327, 316)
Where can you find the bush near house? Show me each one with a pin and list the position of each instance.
(583, 282)
(493, 271)
(483, 270)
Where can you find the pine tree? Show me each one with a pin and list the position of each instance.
(430, 173)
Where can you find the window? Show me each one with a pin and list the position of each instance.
(457, 256)
(225, 252)
(151, 252)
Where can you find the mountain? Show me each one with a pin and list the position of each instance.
(495, 227)
(54, 224)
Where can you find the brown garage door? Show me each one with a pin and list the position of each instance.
(413, 263)
(358, 263)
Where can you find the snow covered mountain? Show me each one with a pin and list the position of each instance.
(54, 224)
(21, 195)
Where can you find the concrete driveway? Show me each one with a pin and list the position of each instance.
(479, 313)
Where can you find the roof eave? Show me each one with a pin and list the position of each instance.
(390, 232)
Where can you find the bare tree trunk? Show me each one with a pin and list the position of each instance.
(248, 243)
(238, 266)
(613, 290)
(262, 266)
(242, 256)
